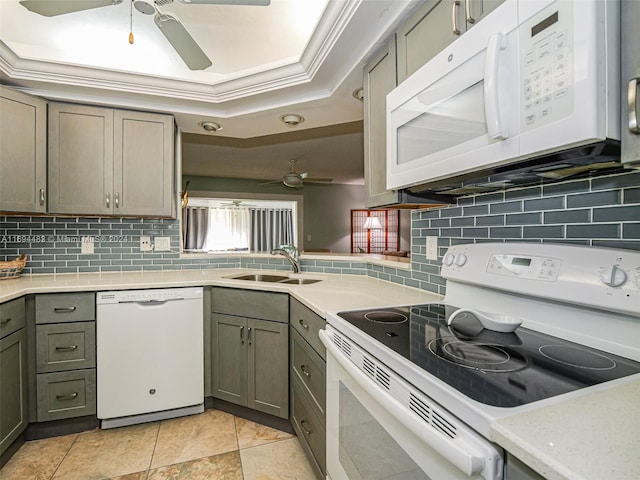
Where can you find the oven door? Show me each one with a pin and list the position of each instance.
(380, 427)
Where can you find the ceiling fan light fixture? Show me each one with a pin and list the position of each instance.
(292, 119)
(292, 180)
(210, 127)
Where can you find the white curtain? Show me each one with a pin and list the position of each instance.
(228, 229)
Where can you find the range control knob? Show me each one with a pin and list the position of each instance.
(613, 276)
(461, 259)
(448, 258)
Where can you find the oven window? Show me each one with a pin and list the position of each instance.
(449, 123)
(367, 451)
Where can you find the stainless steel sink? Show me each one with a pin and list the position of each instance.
(300, 281)
(266, 277)
(260, 277)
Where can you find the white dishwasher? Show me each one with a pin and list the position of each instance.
(149, 352)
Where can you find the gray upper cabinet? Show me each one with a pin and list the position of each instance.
(23, 152)
(435, 25)
(110, 162)
(630, 74)
(379, 79)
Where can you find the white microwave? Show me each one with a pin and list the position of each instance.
(533, 78)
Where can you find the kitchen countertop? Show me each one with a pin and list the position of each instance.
(592, 437)
(334, 292)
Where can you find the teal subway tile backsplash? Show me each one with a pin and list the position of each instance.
(602, 211)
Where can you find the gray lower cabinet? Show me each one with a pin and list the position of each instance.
(13, 372)
(249, 356)
(308, 383)
(65, 355)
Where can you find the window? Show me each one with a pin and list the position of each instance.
(222, 225)
(375, 231)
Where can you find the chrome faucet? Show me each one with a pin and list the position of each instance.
(289, 252)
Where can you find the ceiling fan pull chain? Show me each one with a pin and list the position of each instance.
(131, 23)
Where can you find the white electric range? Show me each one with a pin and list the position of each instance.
(413, 389)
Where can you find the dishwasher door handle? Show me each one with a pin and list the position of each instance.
(152, 301)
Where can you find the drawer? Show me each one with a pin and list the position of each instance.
(309, 367)
(250, 303)
(66, 394)
(65, 346)
(307, 323)
(308, 425)
(11, 316)
(65, 307)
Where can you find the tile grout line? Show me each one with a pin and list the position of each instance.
(65, 456)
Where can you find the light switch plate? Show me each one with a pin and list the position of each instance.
(86, 245)
(162, 244)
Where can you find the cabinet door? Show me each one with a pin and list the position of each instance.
(13, 393)
(23, 152)
(229, 358)
(427, 32)
(630, 88)
(268, 367)
(379, 79)
(80, 159)
(143, 164)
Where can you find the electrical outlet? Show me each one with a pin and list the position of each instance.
(162, 244)
(145, 244)
(86, 245)
(432, 248)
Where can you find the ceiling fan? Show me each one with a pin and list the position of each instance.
(294, 179)
(177, 35)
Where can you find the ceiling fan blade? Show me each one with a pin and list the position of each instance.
(52, 8)
(182, 41)
(318, 180)
(260, 3)
(271, 182)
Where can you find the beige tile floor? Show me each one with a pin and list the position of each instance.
(213, 445)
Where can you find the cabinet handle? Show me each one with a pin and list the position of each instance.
(108, 199)
(64, 309)
(42, 196)
(70, 348)
(467, 11)
(304, 325)
(249, 335)
(454, 21)
(304, 370)
(4, 322)
(117, 199)
(302, 424)
(632, 100)
(68, 396)
(242, 335)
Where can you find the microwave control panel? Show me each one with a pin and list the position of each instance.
(547, 66)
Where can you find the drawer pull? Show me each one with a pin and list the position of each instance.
(70, 348)
(305, 371)
(304, 325)
(4, 322)
(68, 396)
(302, 424)
(64, 309)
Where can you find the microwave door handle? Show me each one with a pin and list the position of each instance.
(495, 126)
(632, 104)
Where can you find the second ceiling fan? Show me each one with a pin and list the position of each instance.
(173, 30)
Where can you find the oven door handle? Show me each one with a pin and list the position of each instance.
(463, 452)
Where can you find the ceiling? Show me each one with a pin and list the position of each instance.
(293, 56)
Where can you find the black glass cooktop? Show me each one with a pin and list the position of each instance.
(499, 369)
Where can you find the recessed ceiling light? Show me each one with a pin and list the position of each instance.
(211, 127)
(292, 119)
